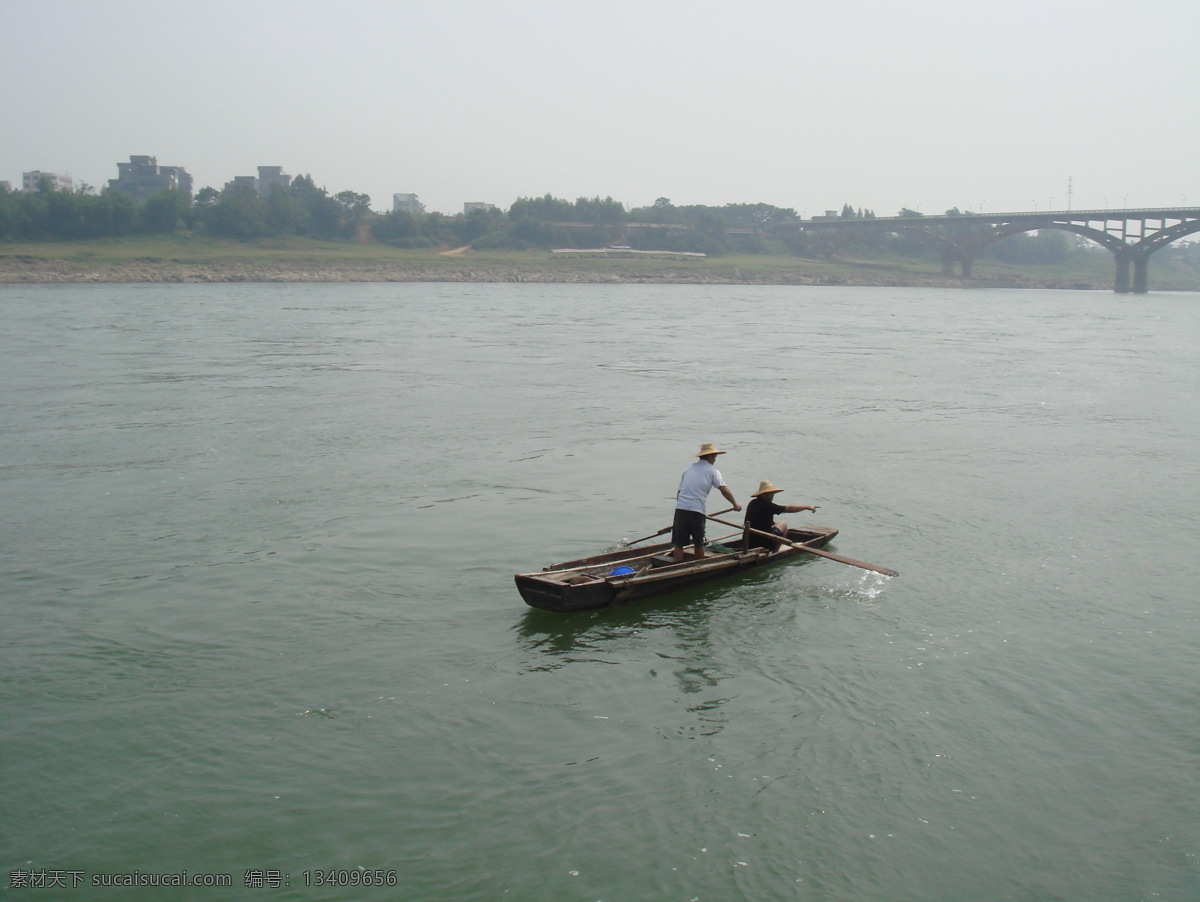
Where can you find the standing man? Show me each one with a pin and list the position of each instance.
(697, 481)
(760, 515)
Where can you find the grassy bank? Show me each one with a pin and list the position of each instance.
(184, 258)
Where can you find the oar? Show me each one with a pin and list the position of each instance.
(665, 529)
(818, 551)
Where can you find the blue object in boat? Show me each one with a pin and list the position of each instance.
(622, 571)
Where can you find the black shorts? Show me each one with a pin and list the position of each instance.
(688, 528)
(761, 541)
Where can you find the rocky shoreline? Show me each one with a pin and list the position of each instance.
(18, 269)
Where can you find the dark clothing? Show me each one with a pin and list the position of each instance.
(760, 514)
(688, 528)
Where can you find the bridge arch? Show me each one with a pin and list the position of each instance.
(1126, 255)
(1131, 235)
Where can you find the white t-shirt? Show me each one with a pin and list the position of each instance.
(698, 479)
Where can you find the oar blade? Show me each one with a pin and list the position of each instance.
(886, 571)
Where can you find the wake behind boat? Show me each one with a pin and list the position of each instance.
(620, 576)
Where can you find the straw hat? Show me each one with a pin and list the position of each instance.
(765, 488)
(708, 448)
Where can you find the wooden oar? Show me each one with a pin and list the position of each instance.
(665, 529)
(818, 551)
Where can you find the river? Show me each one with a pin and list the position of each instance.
(260, 626)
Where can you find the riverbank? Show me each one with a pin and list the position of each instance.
(198, 261)
(34, 270)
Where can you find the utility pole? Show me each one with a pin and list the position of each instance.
(1070, 191)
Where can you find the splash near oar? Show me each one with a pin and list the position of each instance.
(886, 571)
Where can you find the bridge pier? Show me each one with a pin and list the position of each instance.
(1121, 285)
(1140, 283)
(965, 260)
(1141, 275)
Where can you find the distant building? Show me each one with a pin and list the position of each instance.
(407, 203)
(243, 182)
(471, 206)
(143, 178)
(5, 186)
(32, 181)
(272, 177)
(268, 179)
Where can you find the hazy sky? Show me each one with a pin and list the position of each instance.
(882, 104)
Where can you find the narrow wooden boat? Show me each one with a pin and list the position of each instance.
(632, 573)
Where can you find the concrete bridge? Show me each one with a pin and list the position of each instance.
(1131, 235)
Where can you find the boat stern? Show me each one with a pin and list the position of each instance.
(563, 596)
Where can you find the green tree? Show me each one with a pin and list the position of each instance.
(35, 223)
(317, 214)
(237, 214)
(353, 209)
(165, 212)
(64, 214)
(398, 229)
(600, 212)
(1048, 246)
(9, 215)
(478, 223)
(541, 209)
(281, 212)
(108, 215)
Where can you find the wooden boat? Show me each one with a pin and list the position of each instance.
(632, 573)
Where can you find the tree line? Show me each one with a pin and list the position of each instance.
(306, 210)
(238, 212)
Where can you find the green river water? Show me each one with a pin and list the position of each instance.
(260, 627)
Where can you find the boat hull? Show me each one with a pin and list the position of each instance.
(618, 577)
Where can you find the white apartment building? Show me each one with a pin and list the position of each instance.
(59, 181)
